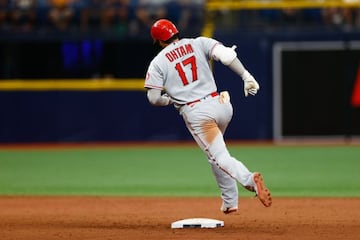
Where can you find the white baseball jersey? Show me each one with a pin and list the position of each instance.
(182, 69)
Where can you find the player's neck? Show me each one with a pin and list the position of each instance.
(164, 44)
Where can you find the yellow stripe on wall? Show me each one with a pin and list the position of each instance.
(278, 4)
(73, 85)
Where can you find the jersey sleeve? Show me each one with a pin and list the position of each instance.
(208, 45)
(154, 77)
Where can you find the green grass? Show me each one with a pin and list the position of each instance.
(177, 171)
(307, 171)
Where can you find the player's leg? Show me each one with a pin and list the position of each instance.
(203, 123)
(219, 156)
(227, 184)
(223, 121)
(223, 116)
(229, 190)
(227, 170)
(203, 131)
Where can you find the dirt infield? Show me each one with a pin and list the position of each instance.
(107, 218)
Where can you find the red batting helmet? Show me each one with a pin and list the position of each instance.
(163, 30)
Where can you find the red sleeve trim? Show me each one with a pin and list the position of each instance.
(153, 86)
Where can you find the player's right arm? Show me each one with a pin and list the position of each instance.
(154, 86)
(156, 97)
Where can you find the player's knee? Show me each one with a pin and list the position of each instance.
(222, 160)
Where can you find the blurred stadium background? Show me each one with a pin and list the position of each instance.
(72, 70)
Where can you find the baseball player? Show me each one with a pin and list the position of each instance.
(180, 75)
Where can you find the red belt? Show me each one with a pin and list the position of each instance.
(214, 94)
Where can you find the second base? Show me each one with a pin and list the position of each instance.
(197, 223)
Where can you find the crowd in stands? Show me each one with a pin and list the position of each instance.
(338, 17)
(136, 16)
(120, 16)
(335, 18)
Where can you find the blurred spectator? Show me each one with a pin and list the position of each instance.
(332, 16)
(136, 16)
(24, 14)
(106, 15)
(4, 16)
(147, 12)
(292, 16)
(91, 14)
(357, 18)
(191, 14)
(61, 14)
(345, 17)
(187, 14)
(351, 17)
(115, 15)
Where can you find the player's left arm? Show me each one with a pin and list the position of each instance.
(157, 98)
(228, 57)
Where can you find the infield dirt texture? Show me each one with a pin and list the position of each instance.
(92, 195)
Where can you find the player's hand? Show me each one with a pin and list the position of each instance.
(167, 98)
(251, 86)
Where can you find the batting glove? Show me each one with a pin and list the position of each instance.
(251, 86)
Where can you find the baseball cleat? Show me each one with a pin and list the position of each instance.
(261, 190)
(228, 210)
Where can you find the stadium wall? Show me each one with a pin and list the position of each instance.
(98, 115)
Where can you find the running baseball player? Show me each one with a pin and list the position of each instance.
(180, 75)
